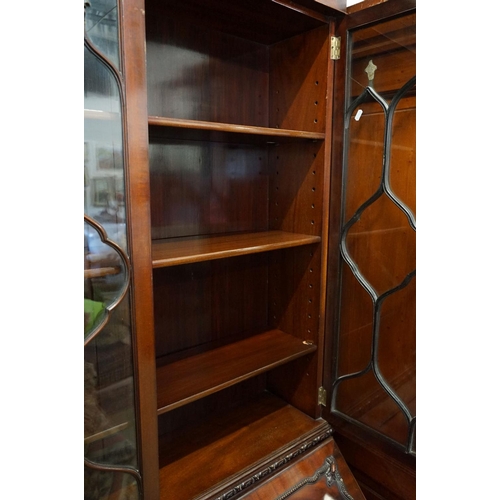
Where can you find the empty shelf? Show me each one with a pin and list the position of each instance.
(195, 377)
(175, 251)
(203, 130)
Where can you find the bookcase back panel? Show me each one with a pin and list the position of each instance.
(198, 74)
(205, 188)
(202, 305)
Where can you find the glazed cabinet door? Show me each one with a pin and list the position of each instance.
(114, 420)
(372, 397)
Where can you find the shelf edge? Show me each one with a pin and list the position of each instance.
(308, 349)
(301, 240)
(159, 121)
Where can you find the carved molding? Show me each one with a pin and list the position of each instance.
(272, 468)
(332, 475)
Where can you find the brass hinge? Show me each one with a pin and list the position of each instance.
(322, 396)
(335, 48)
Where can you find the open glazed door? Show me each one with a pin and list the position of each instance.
(371, 371)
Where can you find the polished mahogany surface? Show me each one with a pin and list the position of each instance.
(222, 450)
(177, 128)
(170, 252)
(192, 378)
(311, 467)
(237, 99)
(227, 179)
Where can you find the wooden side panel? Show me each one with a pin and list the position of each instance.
(298, 81)
(295, 204)
(296, 173)
(136, 137)
(294, 306)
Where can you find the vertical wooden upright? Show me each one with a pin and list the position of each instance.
(132, 26)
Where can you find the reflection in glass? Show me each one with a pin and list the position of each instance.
(403, 151)
(375, 382)
(383, 245)
(105, 276)
(103, 150)
(112, 485)
(109, 393)
(109, 409)
(365, 155)
(101, 27)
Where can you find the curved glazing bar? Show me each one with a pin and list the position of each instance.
(373, 363)
(410, 445)
(376, 369)
(367, 95)
(101, 27)
(110, 468)
(343, 244)
(103, 314)
(389, 110)
(387, 185)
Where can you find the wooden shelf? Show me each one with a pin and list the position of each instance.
(198, 376)
(203, 130)
(175, 251)
(206, 459)
(98, 114)
(100, 272)
(106, 433)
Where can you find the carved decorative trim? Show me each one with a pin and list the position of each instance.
(340, 483)
(272, 468)
(332, 475)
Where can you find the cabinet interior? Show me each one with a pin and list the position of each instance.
(237, 103)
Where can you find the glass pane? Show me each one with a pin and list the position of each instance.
(383, 56)
(110, 485)
(109, 393)
(403, 151)
(363, 174)
(377, 330)
(356, 326)
(109, 406)
(105, 278)
(383, 245)
(103, 150)
(101, 26)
